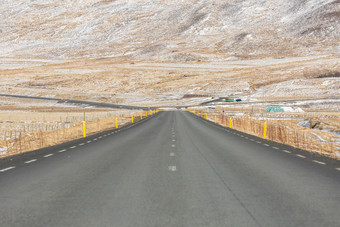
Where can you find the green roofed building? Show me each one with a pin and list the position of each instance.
(274, 109)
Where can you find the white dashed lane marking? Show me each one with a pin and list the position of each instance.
(81, 144)
(338, 169)
(30, 161)
(276, 148)
(301, 156)
(321, 163)
(89, 141)
(9, 168)
(286, 151)
(73, 147)
(173, 168)
(61, 151)
(266, 145)
(173, 145)
(258, 142)
(172, 154)
(251, 140)
(48, 155)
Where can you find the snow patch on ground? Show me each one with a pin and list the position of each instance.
(3, 150)
(291, 109)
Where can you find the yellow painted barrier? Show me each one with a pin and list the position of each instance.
(146, 113)
(84, 129)
(132, 119)
(230, 123)
(206, 116)
(265, 131)
(116, 122)
(141, 116)
(215, 120)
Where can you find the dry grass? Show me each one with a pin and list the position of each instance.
(33, 138)
(282, 131)
(119, 81)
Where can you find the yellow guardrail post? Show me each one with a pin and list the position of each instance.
(116, 122)
(265, 130)
(206, 116)
(84, 129)
(141, 116)
(132, 119)
(146, 113)
(230, 123)
(215, 120)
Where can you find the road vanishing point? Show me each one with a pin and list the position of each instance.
(172, 169)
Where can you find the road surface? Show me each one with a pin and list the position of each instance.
(173, 169)
(80, 102)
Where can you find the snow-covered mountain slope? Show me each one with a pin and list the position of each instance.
(176, 30)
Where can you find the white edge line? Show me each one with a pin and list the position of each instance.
(48, 155)
(9, 168)
(301, 156)
(30, 161)
(321, 163)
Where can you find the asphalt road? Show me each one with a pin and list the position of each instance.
(80, 102)
(173, 169)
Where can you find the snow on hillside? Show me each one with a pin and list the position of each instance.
(168, 30)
